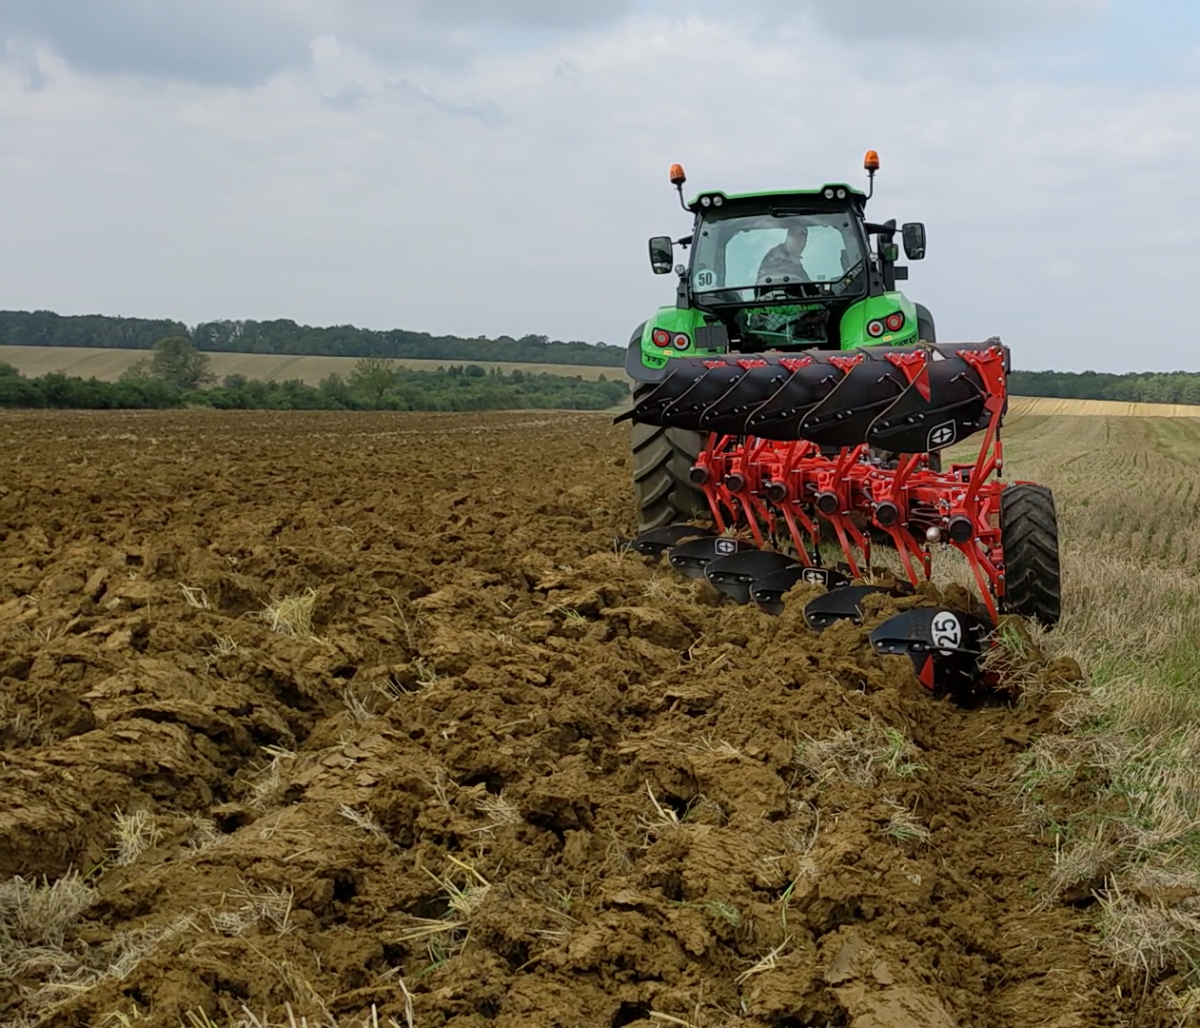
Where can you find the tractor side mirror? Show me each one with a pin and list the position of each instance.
(914, 240)
(662, 254)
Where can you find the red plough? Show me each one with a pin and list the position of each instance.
(846, 445)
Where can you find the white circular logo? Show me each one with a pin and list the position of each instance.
(945, 631)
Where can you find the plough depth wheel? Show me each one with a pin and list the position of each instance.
(1029, 535)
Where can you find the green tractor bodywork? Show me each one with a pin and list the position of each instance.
(728, 299)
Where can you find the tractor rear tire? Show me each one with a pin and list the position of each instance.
(662, 458)
(1029, 537)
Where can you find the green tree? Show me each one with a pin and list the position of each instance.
(372, 378)
(334, 387)
(138, 371)
(177, 362)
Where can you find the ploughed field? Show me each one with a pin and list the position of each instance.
(357, 716)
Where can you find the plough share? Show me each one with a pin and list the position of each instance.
(842, 443)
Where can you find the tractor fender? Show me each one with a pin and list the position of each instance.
(634, 367)
(925, 324)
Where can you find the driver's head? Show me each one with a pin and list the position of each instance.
(797, 237)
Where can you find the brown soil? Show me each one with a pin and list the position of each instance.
(594, 760)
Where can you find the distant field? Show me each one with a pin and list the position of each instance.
(108, 364)
(1046, 405)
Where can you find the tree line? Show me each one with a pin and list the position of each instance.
(45, 328)
(177, 375)
(1135, 387)
(283, 336)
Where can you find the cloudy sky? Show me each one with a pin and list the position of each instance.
(486, 167)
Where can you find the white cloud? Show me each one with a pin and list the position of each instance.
(231, 41)
(515, 193)
(244, 42)
(939, 20)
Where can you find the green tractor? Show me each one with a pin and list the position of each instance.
(782, 271)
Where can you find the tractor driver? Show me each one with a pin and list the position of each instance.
(784, 259)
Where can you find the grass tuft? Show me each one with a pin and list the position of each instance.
(500, 812)
(858, 757)
(663, 819)
(135, 833)
(41, 938)
(267, 782)
(263, 905)
(292, 616)
(904, 826)
(446, 936)
(194, 596)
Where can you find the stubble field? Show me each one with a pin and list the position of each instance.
(360, 719)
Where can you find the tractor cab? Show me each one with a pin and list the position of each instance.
(784, 271)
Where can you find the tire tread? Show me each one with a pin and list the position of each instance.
(1029, 536)
(662, 458)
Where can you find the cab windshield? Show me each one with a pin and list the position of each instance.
(743, 258)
